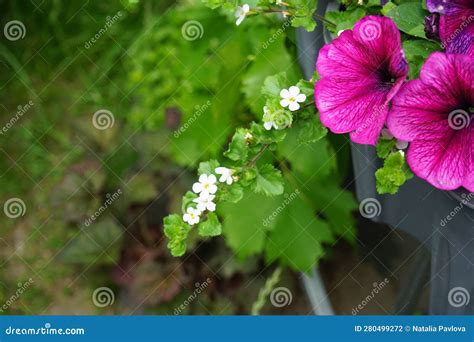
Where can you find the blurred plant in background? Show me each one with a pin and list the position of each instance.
(125, 99)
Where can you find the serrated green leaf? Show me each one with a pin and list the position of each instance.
(297, 238)
(409, 18)
(210, 227)
(269, 181)
(238, 149)
(392, 175)
(385, 147)
(311, 131)
(176, 230)
(208, 167)
(231, 193)
(188, 199)
(344, 20)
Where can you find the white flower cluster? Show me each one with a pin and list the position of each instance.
(206, 188)
(290, 98)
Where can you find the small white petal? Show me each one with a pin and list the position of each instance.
(212, 188)
(186, 217)
(294, 106)
(268, 125)
(239, 20)
(301, 98)
(285, 103)
(246, 8)
(197, 188)
(211, 206)
(211, 179)
(203, 178)
(229, 180)
(220, 170)
(294, 91)
(284, 93)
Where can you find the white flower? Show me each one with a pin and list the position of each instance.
(206, 185)
(241, 13)
(226, 175)
(291, 97)
(268, 124)
(205, 203)
(192, 216)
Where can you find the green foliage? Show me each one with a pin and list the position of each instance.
(210, 227)
(344, 20)
(176, 230)
(393, 174)
(416, 53)
(268, 181)
(409, 18)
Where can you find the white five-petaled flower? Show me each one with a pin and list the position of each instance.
(292, 98)
(205, 203)
(206, 185)
(268, 124)
(241, 13)
(226, 175)
(192, 216)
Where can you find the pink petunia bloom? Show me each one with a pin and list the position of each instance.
(361, 71)
(454, 22)
(435, 113)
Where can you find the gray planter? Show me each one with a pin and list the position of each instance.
(442, 221)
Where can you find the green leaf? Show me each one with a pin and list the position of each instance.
(231, 193)
(416, 52)
(344, 20)
(392, 175)
(297, 238)
(97, 243)
(243, 222)
(385, 147)
(238, 149)
(262, 136)
(409, 18)
(210, 227)
(303, 15)
(208, 167)
(274, 84)
(311, 131)
(176, 230)
(188, 199)
(269, 181)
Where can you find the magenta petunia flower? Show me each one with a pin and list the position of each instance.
(456, 24)
(435, 113)
(361, 71)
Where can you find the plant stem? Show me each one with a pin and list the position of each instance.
(265, 291)
(258, 155)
